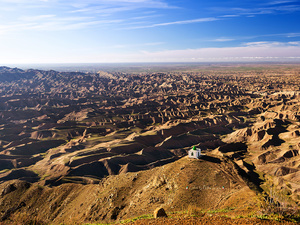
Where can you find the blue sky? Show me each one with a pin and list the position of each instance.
(99, 31)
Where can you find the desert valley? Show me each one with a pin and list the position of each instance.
(109, 146)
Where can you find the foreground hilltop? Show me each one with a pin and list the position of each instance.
(207, 183)
(110, 146)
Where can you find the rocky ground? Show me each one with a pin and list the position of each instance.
(110, 146)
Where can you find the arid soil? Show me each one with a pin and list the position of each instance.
(102, 147)
(210, 220)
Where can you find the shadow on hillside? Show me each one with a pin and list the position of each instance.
(211, 159)
(251, 177)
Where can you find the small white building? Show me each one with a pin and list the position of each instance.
(195, 153)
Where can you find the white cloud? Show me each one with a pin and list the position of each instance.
(281, 2)
(138, 45)
(139, 3)
(230, 16)
(274, 7)
(223, 39)
(56, 14)
(54, 23)
(37, 17)
(270, 44)
(254, 52)
(251, 52)
(180, 22)
(292, 35)
(22, 1)
(286, 35)
(296, 43)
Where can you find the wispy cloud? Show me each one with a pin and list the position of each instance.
(272, 44)
(286, 35)
(115, 6)
(273, 7)
(22, 1)
(248, 52)
(145, 17)
(263, 40)
(290, 35)
(269, 10)
(96, 12)
(180, 22)
(63, 25)
(223, 39)
(138, 45)
(54, 23)
(294, 43)
(60, 13)
(263, 44)
(230, 16)
(280, 2)
(90, 5)
(37, 17)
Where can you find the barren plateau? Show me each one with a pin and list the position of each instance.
(109, 146)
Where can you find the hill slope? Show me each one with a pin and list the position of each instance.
(207, 183)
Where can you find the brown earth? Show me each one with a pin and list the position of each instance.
(209, 183)
(86, 147)
(211, 220)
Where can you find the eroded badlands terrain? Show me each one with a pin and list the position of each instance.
(77, 147)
